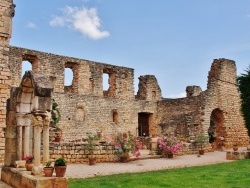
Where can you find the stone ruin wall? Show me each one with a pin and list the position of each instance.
(222, 93)
(220, 102)
(6, 14)
(180, 116)
(84, 106)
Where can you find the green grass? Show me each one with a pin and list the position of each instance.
(224, 175)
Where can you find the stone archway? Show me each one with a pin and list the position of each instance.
(216, 130)
(29, 117)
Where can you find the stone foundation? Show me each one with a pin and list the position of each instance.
(20, 178)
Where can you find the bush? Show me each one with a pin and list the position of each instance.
(60, 162)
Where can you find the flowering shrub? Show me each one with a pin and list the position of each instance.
(29, 158)
(170, 144)
(125, 143)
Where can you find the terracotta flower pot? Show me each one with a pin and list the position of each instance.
(201, 152)
(57, 139)
(29, 166)
(124, 159)
(48, 171)
(170, 155)
(60, 171)
(235, 148)
(92, 161)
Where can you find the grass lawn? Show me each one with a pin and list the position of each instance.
(225, 175)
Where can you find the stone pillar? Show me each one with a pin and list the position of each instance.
(26, 149)
(45, 144)
(154, 145)
(37, 145)
(46, 123)
(19, 142)
(6, 15)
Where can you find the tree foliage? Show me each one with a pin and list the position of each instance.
(244, 87)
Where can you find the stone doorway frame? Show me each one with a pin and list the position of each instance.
(144, 127)
(29, 115)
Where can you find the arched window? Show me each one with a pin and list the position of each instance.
(26, 66)
(115, 117)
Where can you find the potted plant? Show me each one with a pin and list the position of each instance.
(201, 141)
(235, 147)
(29, 162)
(55, 117)
(125, 143)
(170, 144)
(48, 169)
(90, 146)
(60, 167)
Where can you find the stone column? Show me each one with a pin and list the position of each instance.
(45, 144)
(19, 143)
(46, 123)
(37, 124)
(37, 145)
(26, 150)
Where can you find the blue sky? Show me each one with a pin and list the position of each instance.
(174, 40)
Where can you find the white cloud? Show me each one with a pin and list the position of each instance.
(31, 25)
(82, 20)
(248, 15)
(180, 95)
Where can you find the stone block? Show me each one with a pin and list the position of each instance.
(41, 103)
(242, 155)
(10, 132)
(229, 155)
(235, 155)
(23, 120)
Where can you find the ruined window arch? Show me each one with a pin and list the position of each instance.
(26, 66)
(70, 77)
(115, 116)
(29, 62)
(111, 89)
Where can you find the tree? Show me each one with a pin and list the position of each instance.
(244, 87)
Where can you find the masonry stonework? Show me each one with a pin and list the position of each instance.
(6, 14)
(86, 107)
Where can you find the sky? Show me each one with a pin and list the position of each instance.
(175, 40)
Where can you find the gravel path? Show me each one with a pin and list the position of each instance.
(84, 170)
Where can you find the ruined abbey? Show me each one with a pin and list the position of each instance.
(25, 102)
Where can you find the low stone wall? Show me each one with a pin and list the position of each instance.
(237, 155)
(78, 153)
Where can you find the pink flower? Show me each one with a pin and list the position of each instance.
(170, 144)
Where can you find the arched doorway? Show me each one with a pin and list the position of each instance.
(216, 129)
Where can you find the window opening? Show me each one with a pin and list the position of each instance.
(115, 117)
(26, 66)
(105, 78)
(68, 79)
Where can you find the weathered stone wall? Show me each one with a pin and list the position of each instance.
(148, 88)
(84, 106)
(222, 93)
(180, 116)
(6, 14)
(88, 75)
(217, 109)
(77, 152)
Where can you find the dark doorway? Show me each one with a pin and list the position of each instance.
(216, 130)
(143, 124)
